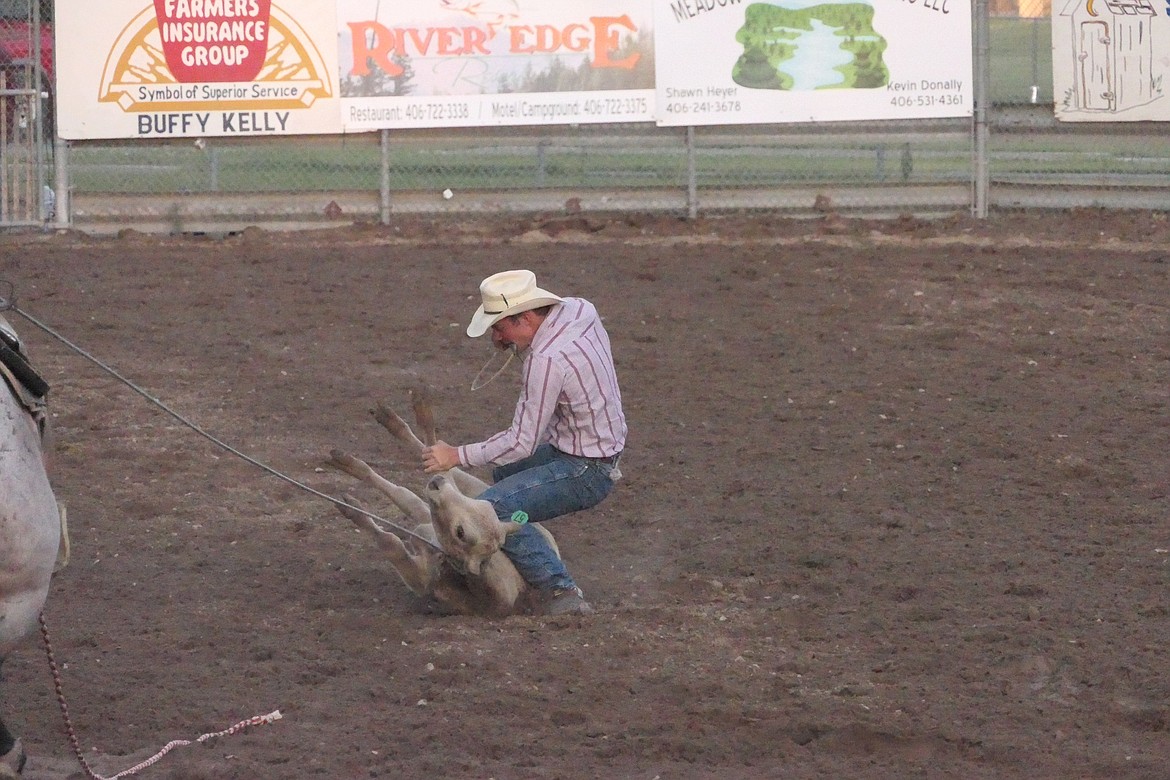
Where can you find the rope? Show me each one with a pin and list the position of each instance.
(477, 385)
(10, 303)
(256, 720)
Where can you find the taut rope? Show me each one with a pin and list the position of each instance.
(9, 303)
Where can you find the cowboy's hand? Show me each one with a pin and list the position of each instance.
(440, 456)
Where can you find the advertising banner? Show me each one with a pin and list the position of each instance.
(195, 68)
(457, 63)
(738, 61)
(1110, 60)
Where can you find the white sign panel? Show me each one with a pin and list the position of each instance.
(179, 68)
(458, 63)
(737, 61)
(1111, 60)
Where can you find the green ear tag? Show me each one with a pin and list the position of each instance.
(519, 517)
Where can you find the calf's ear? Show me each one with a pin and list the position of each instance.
(518, 520)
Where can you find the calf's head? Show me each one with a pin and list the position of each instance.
(467, 528)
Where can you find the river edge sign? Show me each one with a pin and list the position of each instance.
(469, 63)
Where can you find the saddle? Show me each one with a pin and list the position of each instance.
(27, 385)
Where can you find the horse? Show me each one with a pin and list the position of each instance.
(31, 523)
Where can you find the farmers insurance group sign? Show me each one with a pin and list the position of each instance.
(193, 68)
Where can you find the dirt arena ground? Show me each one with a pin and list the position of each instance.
(895, 503)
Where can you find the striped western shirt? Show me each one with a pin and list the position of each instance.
(569, 398)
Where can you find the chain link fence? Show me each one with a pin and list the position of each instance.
(925, 167)
(26, 120)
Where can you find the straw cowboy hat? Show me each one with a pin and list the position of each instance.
(505, 294)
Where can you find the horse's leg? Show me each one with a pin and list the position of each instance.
(11, 754)
(12, 762)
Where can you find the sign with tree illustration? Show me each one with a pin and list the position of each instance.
(1109, 60)
(452, 63)
(738, 62)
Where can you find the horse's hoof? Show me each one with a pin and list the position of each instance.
(12, 762)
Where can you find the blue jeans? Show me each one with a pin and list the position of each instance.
(547, 484)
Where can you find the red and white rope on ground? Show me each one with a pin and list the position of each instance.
(256, 720)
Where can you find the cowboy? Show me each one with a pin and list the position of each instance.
(561, 453)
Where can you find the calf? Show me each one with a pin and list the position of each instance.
(452, 555)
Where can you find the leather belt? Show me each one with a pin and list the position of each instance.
(610, 460)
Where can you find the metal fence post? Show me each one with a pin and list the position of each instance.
(213, 173)
(61, 206)
(384, 192)
(541, 162)
(61, 203)
(981, 89)
(692, 176)
(37, 105)
(1035, 59)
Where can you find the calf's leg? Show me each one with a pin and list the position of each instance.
(417, 565)
(397, 427)
(406, 500)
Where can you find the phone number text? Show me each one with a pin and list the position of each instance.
(703, 107)
(629, 106)
(433, 112)
(925, 101)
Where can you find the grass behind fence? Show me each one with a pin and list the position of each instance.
(1021, 58)
(285, 166)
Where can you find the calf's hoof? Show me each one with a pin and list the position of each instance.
(348, 464)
